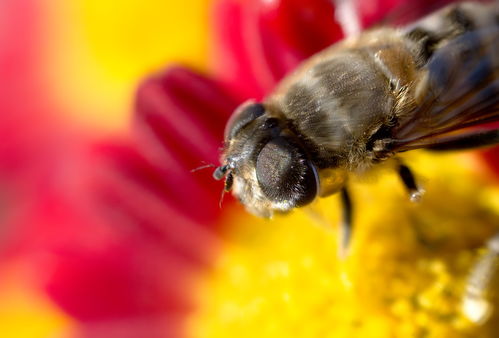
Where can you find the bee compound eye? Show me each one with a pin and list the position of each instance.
(284, 174)
(243, 115)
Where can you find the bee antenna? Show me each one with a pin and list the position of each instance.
(205, 166)
(220, 202)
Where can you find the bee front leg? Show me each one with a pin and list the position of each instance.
(409, 181)
(346, 222)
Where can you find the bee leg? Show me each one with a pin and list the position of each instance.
(410, 182)
(474, 139)
(477, 303)
(346, 222)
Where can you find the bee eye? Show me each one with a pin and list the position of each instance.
(243, 115)
(284, 174)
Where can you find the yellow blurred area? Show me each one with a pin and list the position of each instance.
(95, 52)
(405, 275)
(26, 312)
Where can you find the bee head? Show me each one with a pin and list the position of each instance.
(264, 163)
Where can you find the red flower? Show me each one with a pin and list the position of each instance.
(118, 229)
(125, 224)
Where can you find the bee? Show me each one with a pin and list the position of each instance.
(361, 102)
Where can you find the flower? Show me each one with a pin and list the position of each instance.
(92, 245)
(128, 242)
(409, 264)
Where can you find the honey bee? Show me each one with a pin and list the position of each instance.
(362, 101)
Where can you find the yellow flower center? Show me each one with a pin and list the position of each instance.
(405, 274)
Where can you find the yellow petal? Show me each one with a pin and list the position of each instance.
(25, 312)
(94, 52)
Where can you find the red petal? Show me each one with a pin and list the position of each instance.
(306, 26)
(107, 246)
(234, 58)
(129, 278)
(182, 112)
(130, 191)
(257, 44)
(399, 12)
(179, 123)
(491, 157)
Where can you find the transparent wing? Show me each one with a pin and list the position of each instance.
(459, 90)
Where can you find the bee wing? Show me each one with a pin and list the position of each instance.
(460, 89)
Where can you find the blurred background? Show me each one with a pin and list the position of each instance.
(70, 70)
(86, 58)
(106, 107)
